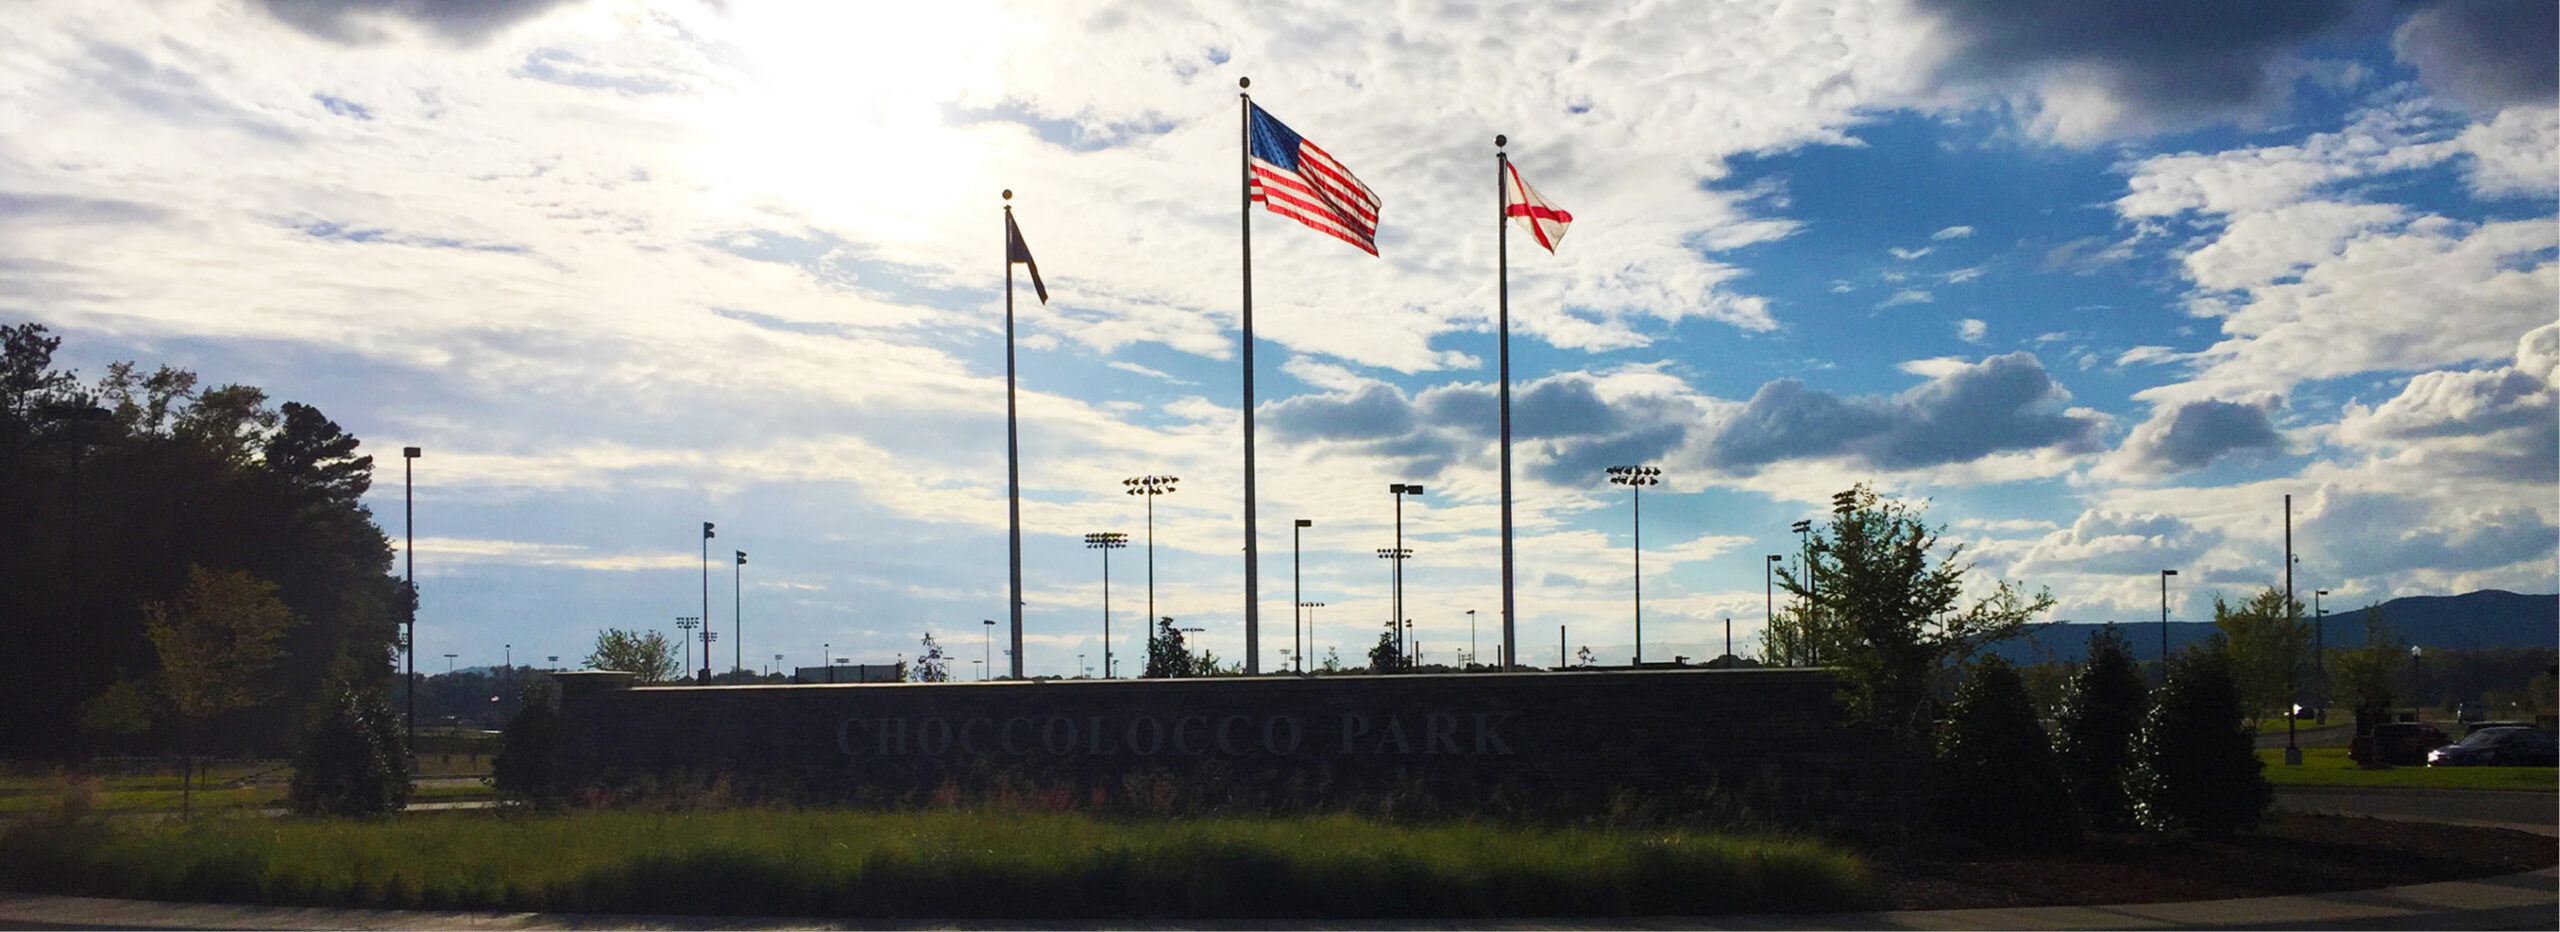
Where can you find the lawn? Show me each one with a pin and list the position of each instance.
(960, 863)
(2331, 767)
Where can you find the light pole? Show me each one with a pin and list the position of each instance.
(1400, 490)
(827, 659)
(686, 624)
(1395, 583)
(737, 623)
(1148, 487)
(2293, 656)
(511, 657)
(2319, 645)
(777, 664)
(1768, 603)
(1804, 544)
(409, 552)
(1106, 541)
(705, 674)
(1471, 635)
(1311, 631)
(987, 647)
(1297, 597)
(2164, 623)
(1081, 668)
(448, 664)
(1635, 478)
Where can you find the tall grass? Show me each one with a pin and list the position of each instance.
(987, 863)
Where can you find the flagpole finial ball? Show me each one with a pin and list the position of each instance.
(1244, 82)
(1008, 194)
(1500, 140)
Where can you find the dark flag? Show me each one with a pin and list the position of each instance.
(1015, 251)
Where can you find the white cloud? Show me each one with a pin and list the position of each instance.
(1906, 296)
(1954, 232)
(1971, 330)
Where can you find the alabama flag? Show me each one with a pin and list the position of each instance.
(1522, 203)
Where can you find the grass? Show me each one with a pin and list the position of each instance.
(951, 863)
(2331, 767)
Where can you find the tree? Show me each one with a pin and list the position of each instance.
(2266, 642)
(2193, 770)
(2362, 675)
(1167, 656)
(353, 759)
(1787, 639)
(1387, 656)
(527, 768)
(215, 644)
(1888, 614)
(930, 666)
(648, 654)
(1993, 778)
(2102, 706)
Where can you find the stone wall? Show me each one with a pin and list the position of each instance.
(1530, 742)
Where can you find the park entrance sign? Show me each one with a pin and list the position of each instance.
(1770, 740)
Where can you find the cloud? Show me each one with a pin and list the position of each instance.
(2115, 543)
(2381, 533)
(2501, 423)
(2486, 54)
(1906, 296)
(1954, 232)
(1971, 330)
(2193, 434)
(361, 22)
(2003, 404)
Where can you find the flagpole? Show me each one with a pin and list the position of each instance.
(1502, 326)
(1252, 561)
(1012, 446)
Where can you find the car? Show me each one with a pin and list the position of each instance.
(2396, 744)
(2499, 747)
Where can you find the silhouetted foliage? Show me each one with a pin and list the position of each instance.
(1387, 656)
(646, 653)
(353, 759)
(2193, 770)
(2265, 640)
(1993, 779)
(2101, 708)
(2362, 675)
(102, 515)
(1885, 609)
(527, 769)
(1167, 656)
(930, 666)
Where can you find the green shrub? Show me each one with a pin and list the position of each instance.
(352, 759)
(527, 768)
(1993, 780)
(2193, 770)
(2101, 708)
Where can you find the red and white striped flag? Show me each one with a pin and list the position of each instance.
(1299, 181)
(1521, 202)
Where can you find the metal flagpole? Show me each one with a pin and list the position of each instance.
(1012, 448)
(1502, 326)
(1252, 558)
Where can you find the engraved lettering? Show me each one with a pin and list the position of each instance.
(1060, 744)
(1225, 725)
(1155, 735)
(933, 736)
(1439, 731)
(893, 736)
(1489, 741)
(844, 736)
(1395, 733)
(1179, 724)
(968, 742)
(1093, 737)
(1273, 743)
(1354, 725)
(1005, 737)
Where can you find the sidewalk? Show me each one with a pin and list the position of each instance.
(2516, 901)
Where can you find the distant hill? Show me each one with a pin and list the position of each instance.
(2487, 618)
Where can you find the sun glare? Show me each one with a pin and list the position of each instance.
(840, 109)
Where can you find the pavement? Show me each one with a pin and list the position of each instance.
(2528, 900)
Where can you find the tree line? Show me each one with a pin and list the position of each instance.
(187, 565)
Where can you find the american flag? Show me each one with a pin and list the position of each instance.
(1295, 179)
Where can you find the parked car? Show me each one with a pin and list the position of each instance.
(2399, 744)
(2500, 747)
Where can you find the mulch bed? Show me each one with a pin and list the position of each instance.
(2291, 853)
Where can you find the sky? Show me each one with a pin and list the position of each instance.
(2099, 284)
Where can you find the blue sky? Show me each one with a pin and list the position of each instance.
(2100, 282)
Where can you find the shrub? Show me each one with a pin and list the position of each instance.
(1993, 780)
(2193, 770)
(527, 769)
(2101, 708)
(352, 759)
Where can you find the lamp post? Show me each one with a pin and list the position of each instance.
(1768, 604)
(448, 663)
(705, 674)
(686, 624)
(1395, 580)
(1400, 490)
(1148, 487)
(2293, 658)
(2164, 623)
(827, 659)
(1471, 635)
(1311, 631)
(1106, 541)
(1635, 478)
(737, 603)
(777, 665)
(1804, 545)
(1297, 597)
(409, 552)
(2319, 645)
(1081, 669)
(987, 647)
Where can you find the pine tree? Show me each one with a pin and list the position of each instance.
(2101, 708)
(2193, 770)
(1993, 779)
